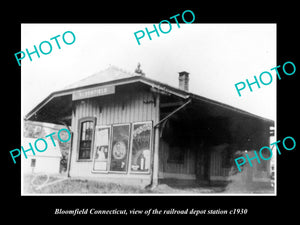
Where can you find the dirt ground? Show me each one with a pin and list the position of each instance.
(63, 185)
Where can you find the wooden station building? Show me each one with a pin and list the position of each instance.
(128, 128)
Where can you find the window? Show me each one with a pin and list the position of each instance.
(102, 146)
(86, 138)
(120, 147)
(141, 147)
(33, 162)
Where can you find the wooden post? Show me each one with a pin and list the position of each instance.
(156, 144)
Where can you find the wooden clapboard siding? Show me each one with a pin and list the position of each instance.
(187, 167)
(121, 107)
(216, 168)
(113, 111)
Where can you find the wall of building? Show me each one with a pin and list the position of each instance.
(125, 106)
(180, 169)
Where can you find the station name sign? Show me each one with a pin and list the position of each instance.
(93, 92)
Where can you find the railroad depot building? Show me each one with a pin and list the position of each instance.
(128, 128)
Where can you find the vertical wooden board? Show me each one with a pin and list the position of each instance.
(217, 171)
(188, 169)
(220, 163)
(216, 160)
(87, 109)
(92, 113)
(132, 108)
(95, 110)
(149, 108)
(84, 109)
(81, 110)
(101, 112)
(107, 107)
(73, 122)
(153, 108)
(104, 112)
(215, 164)
(77, 109)
(212, 164)
(121, 110)
(128, 108)
(125, 102)
(135, 109)
(120, 115)
(191, 168)
(126, 113)
(145, 106)
(129, 116)
(90, 108)
(115, 111)
(112, 111)
(140, 107)
(107, 111)
(161, 157)
(99, 116)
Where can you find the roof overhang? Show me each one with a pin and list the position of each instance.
(57, 107)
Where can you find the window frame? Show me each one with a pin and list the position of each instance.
(80, 122)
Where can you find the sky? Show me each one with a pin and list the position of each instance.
(217, 56)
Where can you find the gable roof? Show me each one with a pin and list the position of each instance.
(110, 74)
(116, 76)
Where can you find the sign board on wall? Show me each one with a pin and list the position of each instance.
(93, 92)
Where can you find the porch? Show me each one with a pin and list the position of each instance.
(199, 141)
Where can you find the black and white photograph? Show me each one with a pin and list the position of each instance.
(163, 117)
(132, 113)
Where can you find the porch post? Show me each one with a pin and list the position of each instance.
(156, 144)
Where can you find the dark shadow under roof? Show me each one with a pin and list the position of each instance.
(115, 76)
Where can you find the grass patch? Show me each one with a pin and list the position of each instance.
(77, 186)
(85, 186)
